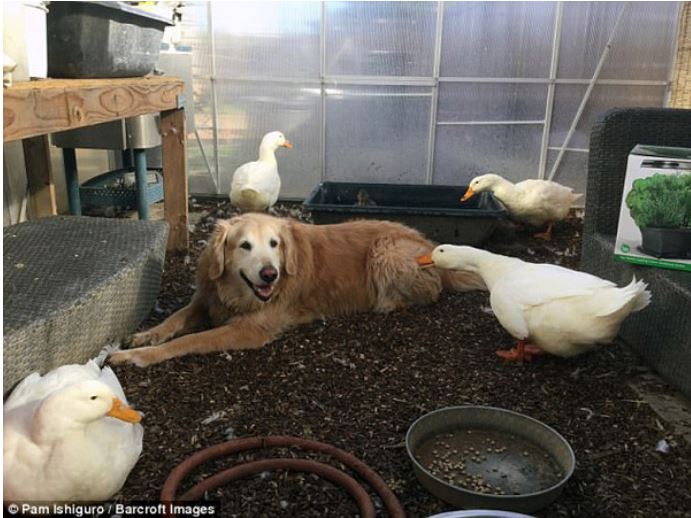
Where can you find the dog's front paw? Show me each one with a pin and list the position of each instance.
(150, 337)
(141, 357)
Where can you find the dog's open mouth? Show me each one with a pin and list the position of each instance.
(263, 293)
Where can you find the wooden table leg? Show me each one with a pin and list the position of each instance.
(39, 177)
(174, 150)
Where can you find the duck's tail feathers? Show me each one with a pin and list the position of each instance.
(633, 297)
(456, 280)
(642, 296)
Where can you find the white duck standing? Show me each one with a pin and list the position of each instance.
(68, 436)
(561, 311)
(535, 202)
(255, 185)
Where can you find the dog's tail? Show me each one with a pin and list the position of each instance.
(456, 280)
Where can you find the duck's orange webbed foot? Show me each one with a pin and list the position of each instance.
(547, 234)
(522, 352)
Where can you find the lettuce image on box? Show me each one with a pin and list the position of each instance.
(655, 216)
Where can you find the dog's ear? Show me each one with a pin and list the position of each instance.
(290, 249)
(217, 262)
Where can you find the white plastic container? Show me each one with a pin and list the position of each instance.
(25, 39)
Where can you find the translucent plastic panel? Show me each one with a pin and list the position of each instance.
(497, 39)
(249, 110)
(463, 152)
(491, 102)
(267, 39)
(645, 48)
(604, 97)
(377, 134)
(572, 171)
(641, 49)
(200, 173)
(195, 34)
(380, 38)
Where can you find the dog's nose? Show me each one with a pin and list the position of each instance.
(268, 274)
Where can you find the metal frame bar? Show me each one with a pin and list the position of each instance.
(549, 104)
(69, 157)
(380, 94)
(434, 105)
(141, 174)
(322, 87)
(572, 149)
(214, 97)
(489, 123)
(206, 160)
(586, 95)
(432, 81)
(560, 81)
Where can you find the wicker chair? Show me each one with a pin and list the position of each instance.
(661, 333)
(73, 284)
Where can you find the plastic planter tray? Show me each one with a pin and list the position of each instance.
(102, 191)
(434, 210)
(102, 39)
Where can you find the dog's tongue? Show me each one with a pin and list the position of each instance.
(265, 291)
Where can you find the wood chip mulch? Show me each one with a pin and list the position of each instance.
(358, 382)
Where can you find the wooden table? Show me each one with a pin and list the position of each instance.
(34, 109)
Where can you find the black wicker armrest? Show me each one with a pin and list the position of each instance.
(661, 333)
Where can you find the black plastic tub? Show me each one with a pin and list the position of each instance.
(102, 39)
(434, 210)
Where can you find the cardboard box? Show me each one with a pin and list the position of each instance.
(655, 216)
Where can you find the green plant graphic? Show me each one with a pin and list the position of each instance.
(661, 201)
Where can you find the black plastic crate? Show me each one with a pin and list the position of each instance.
(434, 210)
(102, 39)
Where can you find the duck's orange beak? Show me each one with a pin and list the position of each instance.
(121, 411)
(288, 145)
(425, 260)
(468, 194)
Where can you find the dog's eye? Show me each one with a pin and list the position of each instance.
(273, 243)
(246, 245)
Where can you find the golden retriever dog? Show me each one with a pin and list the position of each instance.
(261, 275)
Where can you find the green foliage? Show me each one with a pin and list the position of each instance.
(661, 201)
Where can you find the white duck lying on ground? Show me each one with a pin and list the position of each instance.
(560, 311)
(255, 185)
(535, 202)
(68, 436)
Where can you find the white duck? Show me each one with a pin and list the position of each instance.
(535, 202)
(68, 436)
(255, 185)
(561, 311)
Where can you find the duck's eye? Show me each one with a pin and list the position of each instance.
(273, 243)
(93, 397)
(441, 250)
(246, 245)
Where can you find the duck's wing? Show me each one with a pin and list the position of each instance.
(508, 310)
(108, 377)
(255, 175)
(242, 174)
(537, 284)
(36, 387)
(23, 393)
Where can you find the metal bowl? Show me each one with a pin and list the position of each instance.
(524, 472)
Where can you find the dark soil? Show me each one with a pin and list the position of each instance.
(358, 382)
